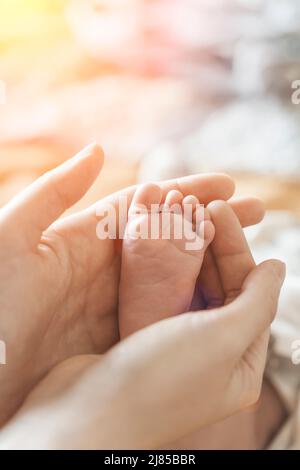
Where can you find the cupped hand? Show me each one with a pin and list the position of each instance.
(59, 282)
(158, 385)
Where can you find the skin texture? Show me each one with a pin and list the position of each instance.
(59, 281)
(158, 385)
(253, 428)
(147, 300)
(158, 276)
(66, 312)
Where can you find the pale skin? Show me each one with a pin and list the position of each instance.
(256, 426)
(159, 385)
(67, 297)
(159, 275)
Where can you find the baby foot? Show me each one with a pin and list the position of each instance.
(163, 250)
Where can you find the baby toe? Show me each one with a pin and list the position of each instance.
(191, 200)
(190, 204)
(173, 201)
(146, 199)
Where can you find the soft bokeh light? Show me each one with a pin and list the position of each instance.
(21, 19)
(149, 81)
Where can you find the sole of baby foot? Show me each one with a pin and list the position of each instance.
(163, 251)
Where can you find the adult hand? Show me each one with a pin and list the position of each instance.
(231, 263)
(59, 282)
(170, 379)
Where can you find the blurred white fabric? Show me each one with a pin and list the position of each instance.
(191, 38)
(260, 136)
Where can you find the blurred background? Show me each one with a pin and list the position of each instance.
(168, 87)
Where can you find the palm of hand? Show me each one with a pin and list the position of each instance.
(65, 292)
(59, 309)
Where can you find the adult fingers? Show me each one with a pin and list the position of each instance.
(230, 249)
(249, 210)
(253, 311)
(206, 187)
(209, 283)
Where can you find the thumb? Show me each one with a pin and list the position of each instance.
(38, 206)
(253, 311)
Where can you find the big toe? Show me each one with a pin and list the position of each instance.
(145, 197)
